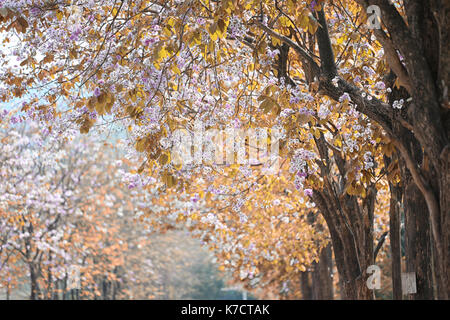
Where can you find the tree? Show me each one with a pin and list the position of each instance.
(64, 211)
(312, 68)
(57, 212)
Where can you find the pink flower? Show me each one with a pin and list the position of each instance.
(97, 92)
(302, 174)
(308, 192)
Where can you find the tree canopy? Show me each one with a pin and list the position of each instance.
(353, 93)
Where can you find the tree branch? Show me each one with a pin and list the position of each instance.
(379, 245)
(394, 60)
(305, 57)
(327, 63)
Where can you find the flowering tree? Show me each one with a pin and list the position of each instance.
(58, 215)
(345, 99)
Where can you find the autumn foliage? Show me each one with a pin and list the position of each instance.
(361, 111)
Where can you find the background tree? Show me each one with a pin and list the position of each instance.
(311, 68)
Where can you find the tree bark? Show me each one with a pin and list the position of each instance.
(305, 285)
(352, 239)
(394, 235)
(322, 282)
(418, 243)
(34, 291)
(423, 42)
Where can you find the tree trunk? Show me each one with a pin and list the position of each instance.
(322, 282)
(305, 285)
(394, 235)
(444, 293)
(423, 41)
(418, 242)
(352, 239)
(34, 293)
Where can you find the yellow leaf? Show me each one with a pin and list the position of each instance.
(266, 105)
(304, 20)
(285, 22)
(140, 145)
(168, 179)
(275, 42)
(99, 107)
(164, 158)
(317, 133)
(171, 21)
(175, 69)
